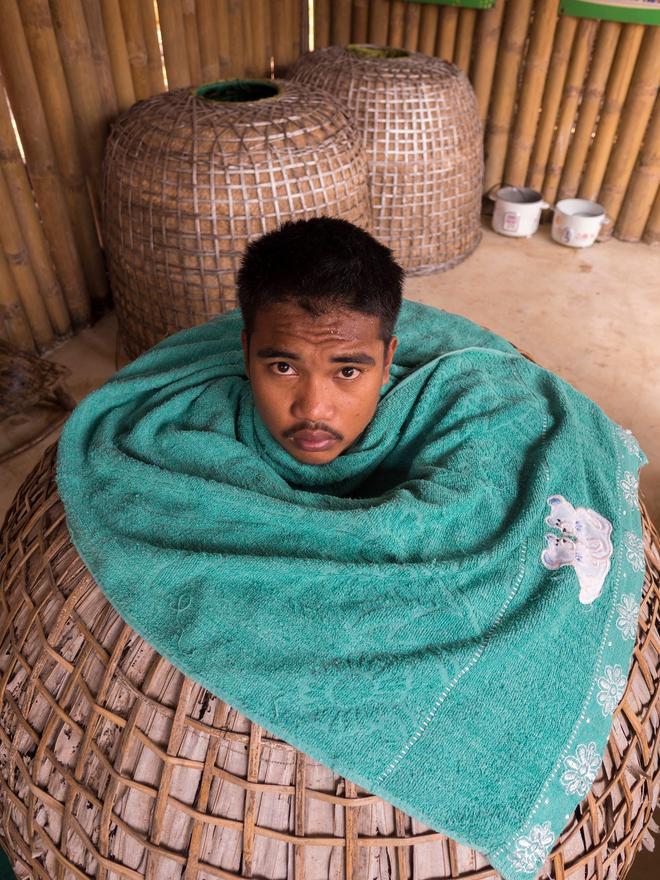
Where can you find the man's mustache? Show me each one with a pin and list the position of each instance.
(312, 426)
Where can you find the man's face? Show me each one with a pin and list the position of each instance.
(316, 380)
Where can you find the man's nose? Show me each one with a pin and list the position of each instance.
(313, 401)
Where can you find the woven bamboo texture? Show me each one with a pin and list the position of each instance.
(419, 120)
(190, 180)
(116, 765)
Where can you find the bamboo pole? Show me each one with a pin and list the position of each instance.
(464, 36)
(489, 25)
(208, 41)
(428, 28)
(572, 93)
(14, 326)
(191, 36)
(514, 29)
(223, 37)
(644, 184)
(21, 85)
(558, 68)
(13, 245)
(379, 18)
(610, 114)
(136, 48)
(411, 27)
(247, 37)
(599, 69)
(447, 32)
(100, 57)
(360, 21)
(30, 223)
(261, 49)
(397, 23)
(321, 24)
(150, 37)
(652, 230)
(531, 91)
(174, 44)
(341, 22)
(236, 47)
(286, 22)
(118, 53)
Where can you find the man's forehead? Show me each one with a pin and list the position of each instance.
(282, 322)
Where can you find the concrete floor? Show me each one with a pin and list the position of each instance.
(592, 316)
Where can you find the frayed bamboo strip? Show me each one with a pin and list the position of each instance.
(652, 230)
(633, 125)
(14, 327)
(428, 28)
(100, 57)
(136, 47)
(191, 35)
(23, 91)
(237, 58)
(464, 35)
(509, 59)
(610, 113)
(321, 24)
(593, 90)
(154, 57)
(360, 21)
(531, 91)
(170, 14)
(26, 284)
(558, 68)
(118, 53)
(572, 93)
(261, 49)
(208, 41)
(447, 32)
(644, 184)
(397, 23)
(379, 17)
(411, 28)
(487, 37)
(223, 38)
(341, 22)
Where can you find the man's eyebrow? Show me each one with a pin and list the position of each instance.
(357, 358)
(277, 353)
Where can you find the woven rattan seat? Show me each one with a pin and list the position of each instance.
(421, 130)
(114, 764)
(189, 180)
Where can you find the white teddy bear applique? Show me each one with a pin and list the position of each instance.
(584, 543)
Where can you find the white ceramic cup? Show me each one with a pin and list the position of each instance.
(577, 222)
(517, 210)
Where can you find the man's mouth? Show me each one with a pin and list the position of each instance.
(313, 441)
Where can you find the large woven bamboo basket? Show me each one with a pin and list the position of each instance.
(190, 176)
(116, 765)
(421, 129)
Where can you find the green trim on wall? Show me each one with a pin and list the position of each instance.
(470, 4)
(631, 11)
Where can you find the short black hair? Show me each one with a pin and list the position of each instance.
(320, 264)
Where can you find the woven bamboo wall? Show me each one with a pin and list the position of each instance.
(555, 94)
(67, 68)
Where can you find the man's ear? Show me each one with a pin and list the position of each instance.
(389, 355)
(246, 352)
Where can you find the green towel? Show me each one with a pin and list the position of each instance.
(445, 614)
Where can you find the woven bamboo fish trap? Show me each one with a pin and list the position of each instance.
(190, 176)
(421, 129)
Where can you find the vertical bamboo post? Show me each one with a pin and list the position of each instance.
(22, 198)
(191, 35)
(13, 323)
(23, 91)
(652, 230)
(321, 24)
(411, 27)
(247, 36)
(586, 33)
(464, 36)
(236, 47)
(379, 17)
(261, 49)
(428, 28)
(174, 44)
(447, 32)
(286, 22)
(617, 89)
(100, 57)
(294, 20)
(118, 53)
(360, 21)
(632, 125)
(341, 22)
(26, 284)
(208, 41)
(644, 185)
(136, 48)
(150, 37)
(531, 91)
(551, 100)
(516, 20)
(397, 23)
(599, 69)
(489, 25)
(222, 34)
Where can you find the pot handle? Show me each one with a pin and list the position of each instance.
(492, 192)
(606, 228)
(545, 205)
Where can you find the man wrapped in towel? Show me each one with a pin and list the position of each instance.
(378, 531)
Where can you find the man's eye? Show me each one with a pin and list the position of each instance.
(349, 372)
(282, 367)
